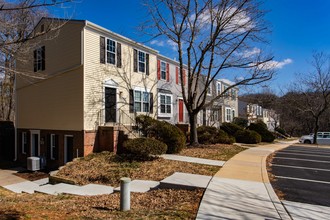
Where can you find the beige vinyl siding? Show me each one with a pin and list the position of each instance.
(96, 74)
(62, 53)
(55, 103)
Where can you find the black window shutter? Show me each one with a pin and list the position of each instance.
(102, 49)
(147, 64)
(135, 62)
(56, 149)
(131, 101)
(43, 58)
(118, 55)
(35, 60)
(151, 102)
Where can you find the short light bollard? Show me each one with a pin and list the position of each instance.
(125, 197)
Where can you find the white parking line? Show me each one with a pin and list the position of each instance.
(306, 180)
(311, 155)
(289, 158)
(306, 151)
(296, 167)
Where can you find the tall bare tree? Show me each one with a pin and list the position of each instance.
(17, 22)
(314, 88)
(212, 37)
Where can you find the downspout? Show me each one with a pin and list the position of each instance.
(16, 117)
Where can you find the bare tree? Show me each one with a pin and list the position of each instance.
(212, 37)
(314, 88)
(17, 22)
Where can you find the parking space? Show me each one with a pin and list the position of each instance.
(302, 173)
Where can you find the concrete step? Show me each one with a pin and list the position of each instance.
(96, 189)
(185, 181)
(141, 186)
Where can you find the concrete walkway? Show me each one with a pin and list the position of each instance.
(241, 189)
(7, 177)
(193, 160)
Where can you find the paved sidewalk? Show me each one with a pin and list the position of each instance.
(241, 189)
(193, 160)
(7, 177)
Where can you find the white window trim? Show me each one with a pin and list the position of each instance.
(52, 146)
(138, 61)
(24, 141)
(226, 118)
(159, 108)
(161, 62)
(106, 51)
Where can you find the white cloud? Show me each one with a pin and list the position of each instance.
(277, 64)
(249, 53)
(173, 45)
(159, 43)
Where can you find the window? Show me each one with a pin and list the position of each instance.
(111, 51)
(228, 115)
(141, 101)
(142, 61)
(233, 112)
(39, 59)
(24, 142)
(227, 92)
(214, 115)
(165, 104)
(218, 88)
(52, 146)
(209, 89)
(233, 94)
(163, 70)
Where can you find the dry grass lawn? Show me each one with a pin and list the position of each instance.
(213, 152)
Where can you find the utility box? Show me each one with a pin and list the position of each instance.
(33, 163)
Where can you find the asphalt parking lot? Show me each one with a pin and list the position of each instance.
(302, 173)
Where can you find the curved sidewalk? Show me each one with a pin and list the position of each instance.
(241, 189)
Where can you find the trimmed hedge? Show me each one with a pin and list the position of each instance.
(144, 148)
(163, 131)
(230, 128)
(212, 135)
(243, 122)
(266, 136)
(247, 137)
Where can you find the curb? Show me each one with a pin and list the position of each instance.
(272, 195)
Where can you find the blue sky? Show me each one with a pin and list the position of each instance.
(299, 27)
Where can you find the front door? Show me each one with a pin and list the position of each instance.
(35, 143)
(68, 148)
(110, 104)
(180, 110)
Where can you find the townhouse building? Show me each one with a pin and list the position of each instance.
(224, 109)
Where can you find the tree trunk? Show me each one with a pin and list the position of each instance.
(193, 129)
(316, 129)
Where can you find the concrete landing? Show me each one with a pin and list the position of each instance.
(193, 160)
(141, 186)
(185, 181)
(303, 211)
(26, 186)
(7, 177)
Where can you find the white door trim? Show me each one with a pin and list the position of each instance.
(32, 132)
(65, 148)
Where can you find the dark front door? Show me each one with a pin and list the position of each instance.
(34, 145)
(110, 105)
(68, 148)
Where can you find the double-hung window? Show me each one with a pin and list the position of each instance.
(141, 101)
(228, 115)
(39, 59)
(209, 89)
(165, 104)
(52, 146)
(218, 88)
(142, 61)
(24, 142)
(111, 51)
(163, 70)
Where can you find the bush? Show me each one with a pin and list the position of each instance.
(163, 131)
(144, 148)
(281, 131)
(243, 122)
(230, 128)
(212, 135)
(171, 135)
(247, 137)
(266, 136)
